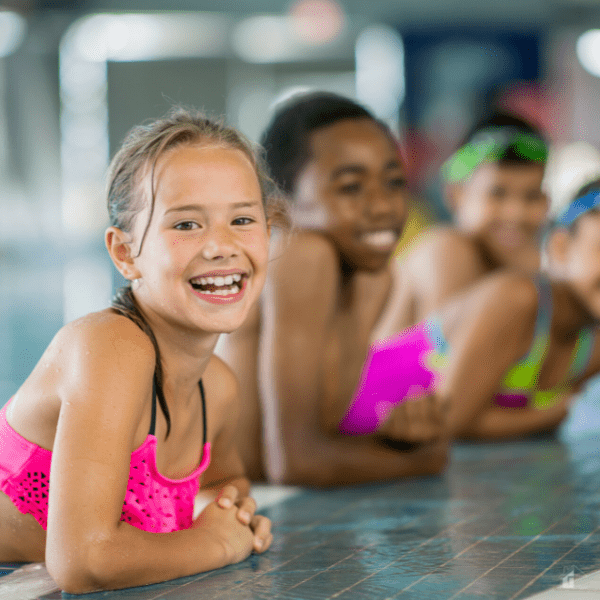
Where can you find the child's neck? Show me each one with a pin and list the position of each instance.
(526, 259)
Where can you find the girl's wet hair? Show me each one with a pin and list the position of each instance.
(138, 156)
(286, 139)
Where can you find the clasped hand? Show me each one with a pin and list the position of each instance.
(233, 519)
(417, 420)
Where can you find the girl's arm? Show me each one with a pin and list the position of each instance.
(225, 478)
(441, 264)
(104, 393)
(297, 326)
(495, 332)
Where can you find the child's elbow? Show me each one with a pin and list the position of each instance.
(85, 568)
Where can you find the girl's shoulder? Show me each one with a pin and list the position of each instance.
(307, 249)
(103, 344)
(104, 329)
(444, 243)
(307, 273)
(510, 295)
(501, 297)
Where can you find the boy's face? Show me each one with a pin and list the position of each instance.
(503, 206)
(353, 188)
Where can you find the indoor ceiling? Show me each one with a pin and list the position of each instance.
(514, 13)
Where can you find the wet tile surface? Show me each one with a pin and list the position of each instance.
(506, 521)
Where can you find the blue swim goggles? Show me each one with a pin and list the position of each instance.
(578, 207)
(491, 145)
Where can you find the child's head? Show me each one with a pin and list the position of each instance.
(494, 184)
(145, 144)
(189, 207)
(573, 246)
(342, 169)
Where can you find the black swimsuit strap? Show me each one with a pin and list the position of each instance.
(153, 418)
(203, 412)
(156, 390)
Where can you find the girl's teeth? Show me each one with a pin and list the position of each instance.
(228, 280)
(235, 289)
(380, 238)
(210, 280)
(219, 281)
(203, 281)
(237, 277)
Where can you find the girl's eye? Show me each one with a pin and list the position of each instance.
(243, 221)
(186, 226)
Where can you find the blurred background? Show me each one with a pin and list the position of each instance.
(75, 75)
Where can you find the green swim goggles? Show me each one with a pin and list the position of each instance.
(491, 145)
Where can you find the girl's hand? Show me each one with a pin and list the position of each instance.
(246, 507)
(416, 421)
(236, 538)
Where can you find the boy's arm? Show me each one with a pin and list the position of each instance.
(298, 318)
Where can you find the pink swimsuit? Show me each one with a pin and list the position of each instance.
(153, 502)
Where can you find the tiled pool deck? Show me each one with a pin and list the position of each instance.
(506, 521)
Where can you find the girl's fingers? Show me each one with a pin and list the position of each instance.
(246, 510)
(228, 497)
(261, 526)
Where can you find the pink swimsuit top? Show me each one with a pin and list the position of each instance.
(153, 502)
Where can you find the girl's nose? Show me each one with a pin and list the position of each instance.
(218, 244)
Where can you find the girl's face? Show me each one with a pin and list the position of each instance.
(353, 188)
(580, 261)
(204, 258)
(503, 206)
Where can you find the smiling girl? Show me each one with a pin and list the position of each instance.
(327, 289)
(103, 447)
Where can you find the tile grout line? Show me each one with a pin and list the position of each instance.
(550, 566)
(424, 543)
(509, 556)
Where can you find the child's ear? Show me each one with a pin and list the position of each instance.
(118, 244)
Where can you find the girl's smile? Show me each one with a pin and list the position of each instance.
(220, 286)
